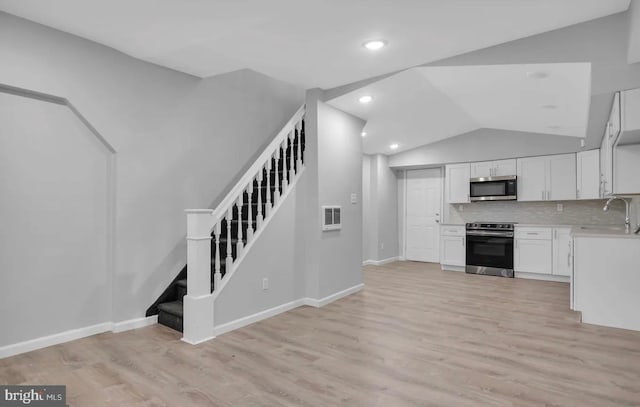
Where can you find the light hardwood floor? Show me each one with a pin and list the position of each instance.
(415, 336)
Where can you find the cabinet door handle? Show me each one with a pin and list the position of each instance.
(569, 256)
(463, 242)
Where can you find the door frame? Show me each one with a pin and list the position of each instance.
(403, 208)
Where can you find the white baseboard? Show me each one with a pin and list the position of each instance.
(55, 339)
(543, 277)
(134, 323)
(197, 342)
(73, 334)
(272, 312)
(380, 262)
(312, 302)
(446, 267)
(258, 316)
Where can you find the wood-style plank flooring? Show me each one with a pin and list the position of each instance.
(415, 336)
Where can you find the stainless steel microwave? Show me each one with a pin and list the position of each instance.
(494, 188)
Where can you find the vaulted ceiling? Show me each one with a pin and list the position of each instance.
(427, 104)
(309, 43)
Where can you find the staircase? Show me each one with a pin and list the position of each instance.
(239, 219)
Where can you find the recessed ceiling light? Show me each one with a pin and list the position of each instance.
(365, 99)
(393, 146)
(537, 75)
(363, 134)
(550, 107)
(554, 127)
(374, 45)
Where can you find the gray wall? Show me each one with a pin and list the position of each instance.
(273, 256)
(369, 214)
(293, 253)
(332, 260)
(380, 225)
(54, 202)
(179, 143)
(484, 144)
(339, 175)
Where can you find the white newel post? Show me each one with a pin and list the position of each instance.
(217, 276)
(198, 303)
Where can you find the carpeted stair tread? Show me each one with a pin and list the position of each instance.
(173, 308)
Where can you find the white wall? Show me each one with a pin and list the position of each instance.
(54, 180)
(380, 230)
(180, 141)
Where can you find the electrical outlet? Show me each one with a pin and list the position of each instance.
(560, 207)
(381, 246)
(265, 284)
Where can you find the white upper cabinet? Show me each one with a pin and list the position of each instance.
(615, 117)
(482, 169)
(561, 177)
(630, 119)
(532, 176)
(611, 133)
(457, 183)
(588, 177)
(503, 168)
(498, 168)
(547, 178)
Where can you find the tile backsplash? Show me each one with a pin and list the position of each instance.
(543, 213)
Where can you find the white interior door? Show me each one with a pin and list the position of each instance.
(424, 189)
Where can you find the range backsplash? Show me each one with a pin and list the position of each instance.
(543, 213)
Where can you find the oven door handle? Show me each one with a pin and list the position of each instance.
(487, 233)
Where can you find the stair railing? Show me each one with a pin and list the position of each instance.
(203, 225)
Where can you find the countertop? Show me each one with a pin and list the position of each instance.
(594, 231)
(604, 231)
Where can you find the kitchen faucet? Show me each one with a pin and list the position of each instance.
(627, 220)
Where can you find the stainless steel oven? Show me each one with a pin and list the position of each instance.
(494, 188)
(490, 249)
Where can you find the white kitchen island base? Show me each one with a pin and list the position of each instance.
(606, 279)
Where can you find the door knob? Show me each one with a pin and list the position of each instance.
(437, 221)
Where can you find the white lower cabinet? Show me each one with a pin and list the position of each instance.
(452, 247)
(532, 256)
(544, 251)
(562, 252)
